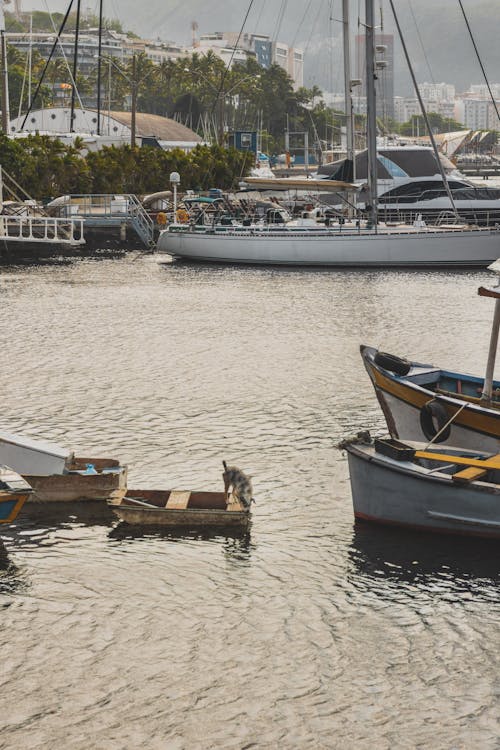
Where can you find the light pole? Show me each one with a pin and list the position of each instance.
(175, 179)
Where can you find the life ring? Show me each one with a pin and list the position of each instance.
(431, 414)
(392, 363)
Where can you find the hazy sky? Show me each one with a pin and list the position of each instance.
(435, 32)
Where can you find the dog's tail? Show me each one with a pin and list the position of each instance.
(224, 465)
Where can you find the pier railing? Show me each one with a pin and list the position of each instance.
(102, 210)
(46, 229)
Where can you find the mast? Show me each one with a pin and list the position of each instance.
(75, 66)
(371, 111)
(5, 73)
(99, 70)
(494, 292)
(347, 87)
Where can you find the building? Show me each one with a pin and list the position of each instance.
(437, 91)
(384, 86)
(259, 47)
(115, 127)
(113, 45)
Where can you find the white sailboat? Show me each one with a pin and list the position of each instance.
(372, 246)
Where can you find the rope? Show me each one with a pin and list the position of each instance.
(443, 428)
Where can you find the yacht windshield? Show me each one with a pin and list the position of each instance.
(392, 168)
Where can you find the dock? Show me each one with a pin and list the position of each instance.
(109, 220)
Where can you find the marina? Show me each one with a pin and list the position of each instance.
(240, 508)
(127, 618)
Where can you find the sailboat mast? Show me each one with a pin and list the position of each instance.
(347, 85)
(99, 54)
(75, 67)
(371, 111)
(5, 73)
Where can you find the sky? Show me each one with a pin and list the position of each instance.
(435, 32)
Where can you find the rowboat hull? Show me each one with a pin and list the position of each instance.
(72, 487)
(401, 493)
(411, 248)
(182, 519)
(202, 510)
(13, 495)
(402, 398)
(11, 504)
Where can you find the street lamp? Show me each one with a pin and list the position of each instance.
(175, 178)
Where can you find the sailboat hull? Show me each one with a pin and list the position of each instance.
(322, 247)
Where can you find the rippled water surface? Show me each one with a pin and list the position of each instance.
(308, 632)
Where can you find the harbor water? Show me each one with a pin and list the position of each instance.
(307, 632)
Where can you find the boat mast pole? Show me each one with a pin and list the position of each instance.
(424, 113)
(371, 111)
(347, 87)
(349, 112)
(99, 53)
(5, 73)
(490, 366)
(75, 66)
(494, 292)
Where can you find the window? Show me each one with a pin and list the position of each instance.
(392, 168)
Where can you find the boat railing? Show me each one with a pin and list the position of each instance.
(360, 228)
(47, 229)
(471, 216)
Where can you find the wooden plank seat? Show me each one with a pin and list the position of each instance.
(178, 500)
(493, 462)
(469, 475)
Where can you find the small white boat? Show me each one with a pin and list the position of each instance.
(427, 488)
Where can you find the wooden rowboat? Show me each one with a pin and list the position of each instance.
(14, 491)
(181, 509)
(428, 488)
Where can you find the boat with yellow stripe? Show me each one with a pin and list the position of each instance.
(425, 487)
(14, 491)
(421, 401)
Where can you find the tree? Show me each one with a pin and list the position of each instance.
(439, 124)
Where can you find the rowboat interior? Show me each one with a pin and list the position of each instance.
(463, 466)
(467, 387)
(442, 382)
(180, 500)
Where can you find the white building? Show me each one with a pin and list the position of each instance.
(473, 113)
(480, 90)
(437, 91)
(256, 46)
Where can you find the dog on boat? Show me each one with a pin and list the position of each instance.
(240, 484)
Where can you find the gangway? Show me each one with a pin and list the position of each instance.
(103, 211)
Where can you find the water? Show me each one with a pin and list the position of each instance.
(305, 633)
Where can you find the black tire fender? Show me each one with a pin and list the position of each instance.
(392, 363)
(431, 414)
